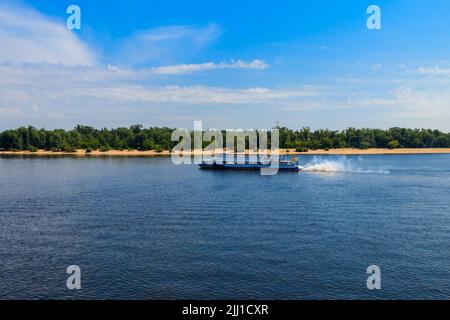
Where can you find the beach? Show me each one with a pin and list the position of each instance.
(349, 151)
(166, 153)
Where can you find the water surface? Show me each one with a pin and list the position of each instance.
(143, 228)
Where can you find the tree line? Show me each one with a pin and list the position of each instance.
(137, 137)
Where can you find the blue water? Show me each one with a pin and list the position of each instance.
(143, 228)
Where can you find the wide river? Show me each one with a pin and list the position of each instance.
(143, 228)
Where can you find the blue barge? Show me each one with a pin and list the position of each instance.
(290, 165)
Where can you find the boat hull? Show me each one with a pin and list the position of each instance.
(247, 167)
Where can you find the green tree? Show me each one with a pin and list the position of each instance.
(10, 140)
(394, 144)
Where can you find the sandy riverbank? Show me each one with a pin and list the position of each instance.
(283, 151)
(372, 151)
(93, 153)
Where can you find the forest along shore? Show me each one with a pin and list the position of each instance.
(346, 151)
(159, 139)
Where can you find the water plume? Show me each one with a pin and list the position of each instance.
(343, 165)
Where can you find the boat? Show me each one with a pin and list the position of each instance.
(283, 165)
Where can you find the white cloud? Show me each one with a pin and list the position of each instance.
(433, 71)
(375, 67)
(166, 44)
(28, 36)
(27, 83)
(10, 112)
(199, 95)
(61, 94)
(192, 68)
(428, 102)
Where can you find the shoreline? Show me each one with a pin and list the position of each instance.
(152, 153)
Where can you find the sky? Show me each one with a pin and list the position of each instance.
(231, 64)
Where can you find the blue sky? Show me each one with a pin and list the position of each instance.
(232, 64)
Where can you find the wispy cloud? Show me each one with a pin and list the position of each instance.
(28, 36)
(53, 83)
(437, 70)
(40, 92)
(108, 96)
(166, 44)
(10, 112)
(200, 95)
(192, 68)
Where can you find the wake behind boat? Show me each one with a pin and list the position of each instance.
(284, 165)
